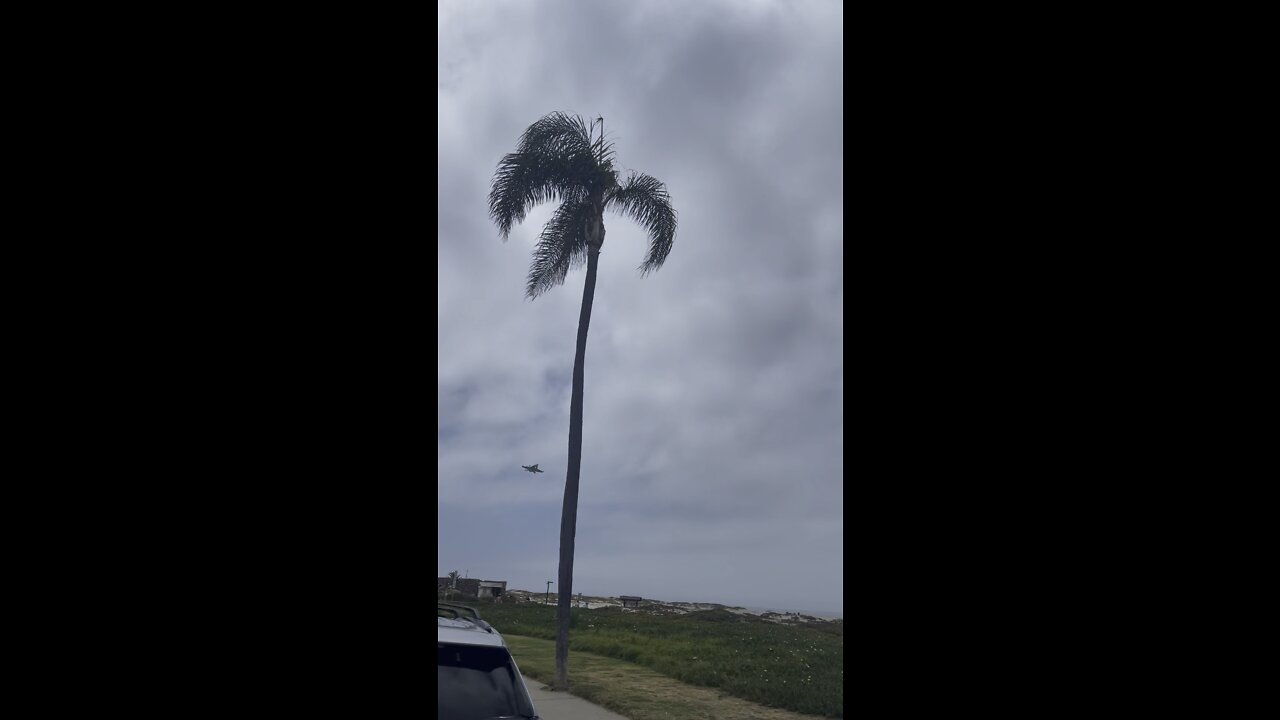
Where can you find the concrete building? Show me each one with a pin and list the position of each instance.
(471, 587)
(491, 588)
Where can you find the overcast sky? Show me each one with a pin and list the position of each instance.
(713, 458)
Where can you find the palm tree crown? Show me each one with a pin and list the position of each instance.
(557, 160)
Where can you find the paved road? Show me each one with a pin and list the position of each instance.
(563, 706)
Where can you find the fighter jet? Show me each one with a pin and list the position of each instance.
(532, 468)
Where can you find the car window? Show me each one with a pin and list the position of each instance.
(478, 683)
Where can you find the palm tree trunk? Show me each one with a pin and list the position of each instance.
(569, 514)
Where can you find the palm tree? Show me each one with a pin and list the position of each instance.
(453, 583)
(557, 159)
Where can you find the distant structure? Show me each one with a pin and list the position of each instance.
(630, 601)
(472, 587)
(491, 588)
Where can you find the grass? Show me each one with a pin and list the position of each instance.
(634, 692)
(797, 668)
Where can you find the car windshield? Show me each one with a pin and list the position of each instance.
(478, 683)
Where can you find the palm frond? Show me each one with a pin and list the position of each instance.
(557, 134)
(554, 160)
(645, 200)
(561, 246)
(604, 152)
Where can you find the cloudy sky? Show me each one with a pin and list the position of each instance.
(713, 457)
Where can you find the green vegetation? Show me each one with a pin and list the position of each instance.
(799, 668)
(635, 692)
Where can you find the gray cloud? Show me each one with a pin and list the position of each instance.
(713, 454)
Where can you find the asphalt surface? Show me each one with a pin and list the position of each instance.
(563, 706)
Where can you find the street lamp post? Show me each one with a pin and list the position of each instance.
(548, 600)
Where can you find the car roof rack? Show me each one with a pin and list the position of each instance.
(457, 611)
